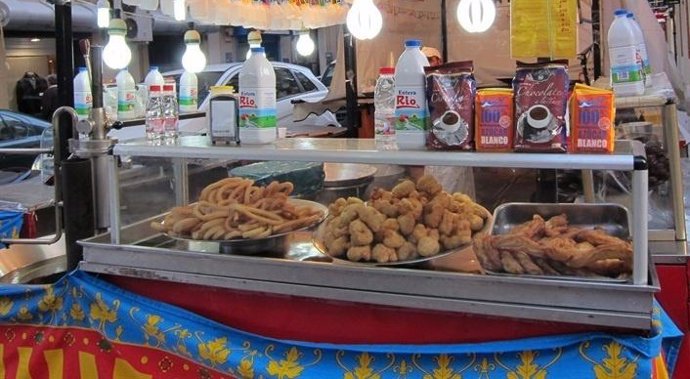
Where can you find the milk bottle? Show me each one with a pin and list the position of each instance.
(126, 96)
(642, 49)
(626, 64)
(410, 98)
(189, 92)
(83, 101)
(257, 99)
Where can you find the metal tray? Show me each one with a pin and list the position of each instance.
(271, 244)
(613, 218)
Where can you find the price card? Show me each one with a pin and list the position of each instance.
(543, 28)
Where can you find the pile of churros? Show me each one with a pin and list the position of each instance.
(234, 208)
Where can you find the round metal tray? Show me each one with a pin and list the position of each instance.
(413, 262)
(272, 244)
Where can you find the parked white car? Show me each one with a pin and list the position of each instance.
(293, 83)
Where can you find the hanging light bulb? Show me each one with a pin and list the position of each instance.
(179, 10)
(254, 40)
(476, 16)
(193, 59)
(305, 45)
(364, 20)
(116, 53)
(103, 13)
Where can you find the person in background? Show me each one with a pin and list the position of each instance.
(49, 101)
(453, 179)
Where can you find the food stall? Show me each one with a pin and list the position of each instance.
(250, 278)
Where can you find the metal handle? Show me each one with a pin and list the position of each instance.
(57, 186)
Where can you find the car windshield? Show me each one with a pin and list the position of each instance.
(205, 79)
(328, 75)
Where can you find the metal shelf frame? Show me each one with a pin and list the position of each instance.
(611, 304)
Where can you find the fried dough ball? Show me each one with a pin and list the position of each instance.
(407, 223)
(413, 206)
(476, 223)
(434, 215)
(447, 222)
(428, 247)
(403, 189)
(407, 251)
(360, 234)
(354, 200)
(390, 224)
(338, 246)
(370, 216)
(338, 231)
(418, 233)
(383, 254)
(462, 198)
(337, 207)
(386, 207)
(461, 235)
(429, 184)
(433, 233)
(349, 214)
(393, 239)
(381, 194)
(359, 253)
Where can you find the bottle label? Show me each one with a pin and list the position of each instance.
(188, 97)
(83, 102)
(170, 124)
(645, 59)
(626, 65)
(410, 109)
(126, 101)
(258, 109)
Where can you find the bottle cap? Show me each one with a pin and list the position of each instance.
(153, 68)
(631, 15)
(413, 43)
(167, 87)
(154, 88)
(387, 71)
(82, 69)
(620, 12)
(258, 50)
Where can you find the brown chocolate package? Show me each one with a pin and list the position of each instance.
(541, 103)
(450, 91)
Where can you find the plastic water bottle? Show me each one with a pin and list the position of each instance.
(154, 77)
(257, 99)
(83, 101)
(642, 49)
(149, 5)
(410, 97)
(155, 123)
(189, 92)
(626, 64)
(170, 113)
(126, 96)
(384, 105)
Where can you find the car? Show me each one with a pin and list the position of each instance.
(327, 77)
(18, 130)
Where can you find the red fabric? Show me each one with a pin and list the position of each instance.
(29, 229)
(305, 319)
(674, 299)
(117, 361)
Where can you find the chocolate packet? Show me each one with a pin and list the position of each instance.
(592, 113)
(450, 92)
(541, 105)
(494, 119)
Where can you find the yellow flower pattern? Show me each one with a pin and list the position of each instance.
(101, 312)
(152, 331)
(6, 305)
(50, 302)
(24, 314)
(76, 312)
(614, 366)
(216, 351)
(246, 369)
(527, 369)
(287, 368)
(443, 370)
(363, 369)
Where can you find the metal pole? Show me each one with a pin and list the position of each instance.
(353, 121)
(444, 31)
(596, 37)
(64, 52)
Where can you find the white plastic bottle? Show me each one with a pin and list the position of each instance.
(626, 67)
(189, 92)
(384, 105)
(257, 99)
(410, 98)
(154, 77)
(155, 123)
(642, 49)
(83, 101)
(126, 96)
(47, 164)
